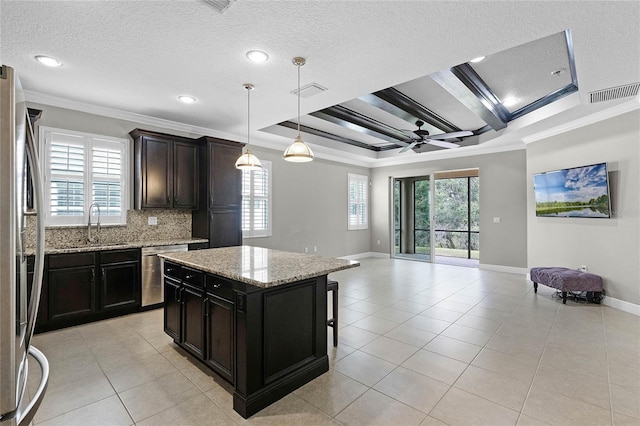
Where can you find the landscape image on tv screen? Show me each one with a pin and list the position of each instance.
(575, 192)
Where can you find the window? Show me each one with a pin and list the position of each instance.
(256, 202)
(358, 202)
(81, 169)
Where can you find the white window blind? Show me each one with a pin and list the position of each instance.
(358, 201)
(81, 169)
(256, 202)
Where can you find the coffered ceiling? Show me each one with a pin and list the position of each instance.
(384, 64)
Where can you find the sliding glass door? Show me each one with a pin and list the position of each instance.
(412, 217)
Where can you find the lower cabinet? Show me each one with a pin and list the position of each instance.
(84, 287)
(198, 315)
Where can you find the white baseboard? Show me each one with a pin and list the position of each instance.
(621, 305)
(500, 268)
(366, 254)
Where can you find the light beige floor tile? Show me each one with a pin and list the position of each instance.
(374, 408)
(625, 374)
(222, 395)
(405, 305)
(366, 307)
(390, 350)
(348, 316)
(625, 401)
(526, 347)
(453, 348)
(336, 353)
(450, 305)
(395, 315)
(331, 392)
(73, 395)
(418, 391)
(494, 387)
(467, 334)
(620, 419)
(375, 324)
(428, 324)
(562, 360)
(106, 412)
(290, 410)
(430, 421)
(355, 337)
(439, 367)
(178, 357)
(411, 335)
(551, 407)
(153, 397)
(196, 411)
(458, 407)
(202, 377)
(577, 386)
(162, 343)
(139, 372)
(525, 420)
(506, 365)
(441, 314)
(492, 314)
(365, 368)
(481, 323)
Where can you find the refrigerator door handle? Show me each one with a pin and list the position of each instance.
(34, 302)
(25, 417)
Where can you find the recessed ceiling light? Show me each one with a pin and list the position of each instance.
(186, 99)
(257, 56)
(48, 61)
(478, 59)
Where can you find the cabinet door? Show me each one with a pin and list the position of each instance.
(219, 326)
(192, 320)
(119, 285)
(225, 179)
(71, 293)
(225, 228)
(172, 309)
(157, 173)
(185, 186)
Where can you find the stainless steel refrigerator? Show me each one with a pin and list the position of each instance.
(19, 298)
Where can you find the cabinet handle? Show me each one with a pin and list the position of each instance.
(176, 294)
(168, 199)
(175, 200)
(188, 277)
(104, 276)
(206, 307)
(216, 285)
(93, 276)
(181, 294)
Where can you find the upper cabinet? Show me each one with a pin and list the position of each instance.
(165, 171)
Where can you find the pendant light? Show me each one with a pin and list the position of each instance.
(248, 161)
(298, 151)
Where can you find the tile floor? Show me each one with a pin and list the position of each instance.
(419, 344)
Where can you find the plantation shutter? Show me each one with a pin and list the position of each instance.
(256, 201)
(107, 178)
(358, 201)
(66, 175)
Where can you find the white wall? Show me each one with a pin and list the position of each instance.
(608, 247)
(502, 194)
(310, 207)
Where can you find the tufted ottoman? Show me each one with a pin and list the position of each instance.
(565, 279)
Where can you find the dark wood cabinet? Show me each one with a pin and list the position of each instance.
(219, 218)
(89, 286)
(199, 316)
(166, 171)
(119, 279)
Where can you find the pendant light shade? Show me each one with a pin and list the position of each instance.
(248, 161)
(298, 151)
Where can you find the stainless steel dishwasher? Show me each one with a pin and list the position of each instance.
(152, 288)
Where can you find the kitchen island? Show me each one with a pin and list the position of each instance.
(255, 316)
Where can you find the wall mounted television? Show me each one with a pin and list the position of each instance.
(574, 192)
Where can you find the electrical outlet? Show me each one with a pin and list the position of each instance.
(496, 219)
(378, 242)
(152, 220)
(306, 249)
(315, 249)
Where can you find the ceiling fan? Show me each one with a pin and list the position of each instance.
(422, 136)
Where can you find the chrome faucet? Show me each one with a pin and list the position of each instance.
(95, 239)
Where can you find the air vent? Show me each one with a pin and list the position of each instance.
(219, 5)
(309, 90)
(614, 93)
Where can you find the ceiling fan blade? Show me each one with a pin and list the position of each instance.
(408, 147)
(452, 135)
(442, 144)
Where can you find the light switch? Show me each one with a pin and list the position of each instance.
(152, 220)
(496, 219)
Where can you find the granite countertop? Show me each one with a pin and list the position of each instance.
(122, 245)
(258, 266)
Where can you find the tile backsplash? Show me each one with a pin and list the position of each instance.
(172, 224)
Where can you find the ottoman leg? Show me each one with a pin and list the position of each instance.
(535, 287)
(564, 297)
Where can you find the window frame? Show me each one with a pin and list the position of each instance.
(364, 201)
(258, 233)
(88, 141)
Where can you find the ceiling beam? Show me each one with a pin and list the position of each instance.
(467, 86)
(353, 120)
(402, 106)
(337, 138)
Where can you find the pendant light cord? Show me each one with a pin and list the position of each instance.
(299, 99)
(248, 116)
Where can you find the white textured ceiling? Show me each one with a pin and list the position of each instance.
(138, 56)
